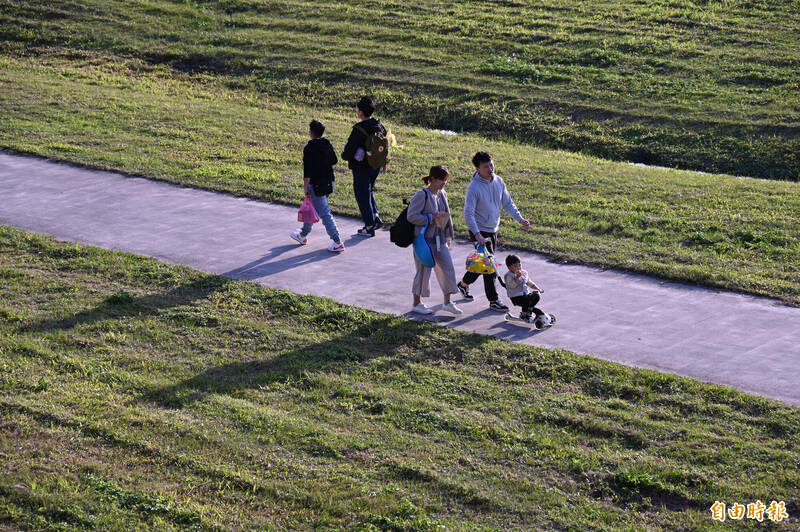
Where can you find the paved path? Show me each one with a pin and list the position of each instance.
(746, 342)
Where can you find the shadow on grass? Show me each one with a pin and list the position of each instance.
(398, 342)
(122, 304)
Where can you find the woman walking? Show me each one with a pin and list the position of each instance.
(431, 200)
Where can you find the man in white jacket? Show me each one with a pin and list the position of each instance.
(486, 195)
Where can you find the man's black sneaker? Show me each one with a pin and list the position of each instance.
(497, 306)
(465, 292)
(378, 223)
(366, 231)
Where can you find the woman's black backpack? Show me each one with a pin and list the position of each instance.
(402, 231)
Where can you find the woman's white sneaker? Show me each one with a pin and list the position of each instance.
(452, 308)
(336, 248)
(421, 309)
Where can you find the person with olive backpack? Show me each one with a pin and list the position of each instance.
(366, 153)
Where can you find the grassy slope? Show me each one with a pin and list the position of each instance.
(715, 230)
(138, 395)
(704, 85)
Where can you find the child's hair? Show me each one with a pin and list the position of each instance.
(480, 158)
(512, 259)
(436, 172)
(366, 105)
(317, 128)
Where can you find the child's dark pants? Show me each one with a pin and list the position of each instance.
(528, 303)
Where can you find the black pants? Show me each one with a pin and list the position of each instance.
(488, 280)
(363, 188)
(528, 303)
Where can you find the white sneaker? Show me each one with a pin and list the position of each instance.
(421, 309)
(452, 308)
(336, 248)
(299, 237)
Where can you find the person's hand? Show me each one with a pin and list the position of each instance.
(449, 242)
(479, 239)
(525, 223)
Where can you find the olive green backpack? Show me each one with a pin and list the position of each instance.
(377, 147)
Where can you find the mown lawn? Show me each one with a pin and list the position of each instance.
(708, 85)
(720, 231)
(139, 395)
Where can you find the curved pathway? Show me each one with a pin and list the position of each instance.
(747, 342)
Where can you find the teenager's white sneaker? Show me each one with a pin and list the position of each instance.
(336, 247)
(452, 308)
(297, 235)
(421, 309)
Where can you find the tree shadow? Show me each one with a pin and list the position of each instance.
(122, 304)
(397, 341)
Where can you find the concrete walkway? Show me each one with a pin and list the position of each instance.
(746, 342)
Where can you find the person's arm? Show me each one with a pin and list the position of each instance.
(512, 282)
(511, 209)
(533, 285)
(470, 204)
(449, 230)
(306, 162)
(332, 159)
(354, 142)
(415, 208)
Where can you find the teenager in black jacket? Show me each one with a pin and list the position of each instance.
(319, 158)
(364, 175)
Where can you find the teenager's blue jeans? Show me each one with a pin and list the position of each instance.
(363, 187)
(324, 212)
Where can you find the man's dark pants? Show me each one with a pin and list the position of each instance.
(363, 188)
(488, 280)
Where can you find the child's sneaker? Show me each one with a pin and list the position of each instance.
(297, 235)
(336, 247)
(452, 308)
(497, 306)
(420, 308)
(465, 292)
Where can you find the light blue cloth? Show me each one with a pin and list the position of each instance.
(324, 212)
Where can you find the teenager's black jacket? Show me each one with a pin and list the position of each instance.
(318, 161)
(357, 140)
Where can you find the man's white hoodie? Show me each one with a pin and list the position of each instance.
(483, 201)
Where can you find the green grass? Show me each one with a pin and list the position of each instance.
(139, 395)
(719, 231)
(708, 85)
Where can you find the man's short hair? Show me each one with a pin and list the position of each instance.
(480, 158)
(317, 127)
(512, 259)
(366, 105)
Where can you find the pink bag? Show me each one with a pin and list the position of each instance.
(307, 213)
